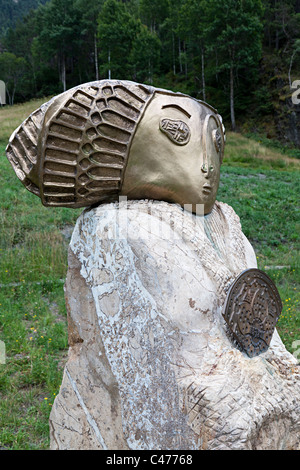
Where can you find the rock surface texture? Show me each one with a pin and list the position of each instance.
(150, 363)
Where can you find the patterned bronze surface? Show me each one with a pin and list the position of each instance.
(177, 131)
(252, 309)
(103, 139)
(73, 151)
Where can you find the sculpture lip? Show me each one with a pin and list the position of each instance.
(207, 187)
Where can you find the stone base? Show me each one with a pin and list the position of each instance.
(150, 364)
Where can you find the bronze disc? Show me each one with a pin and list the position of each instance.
(251, 311)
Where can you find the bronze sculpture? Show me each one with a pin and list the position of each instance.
(111, 138)
(91, 144)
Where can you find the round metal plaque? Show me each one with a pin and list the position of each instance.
(251, 311)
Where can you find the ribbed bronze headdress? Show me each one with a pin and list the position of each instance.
(73, 150)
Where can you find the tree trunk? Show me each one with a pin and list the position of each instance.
(185, 61)
(150, 71)
(96, 57)
(33, 73)
(269, 37)
(217, 66)
(9, 97)
(232, 113)
(290, 68)
(13, 93)
(277, 40)
(179, 56)
(203, 74)
(63, 72)
(109, 70)
(173, 52)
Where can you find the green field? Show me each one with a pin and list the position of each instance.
(259, 182)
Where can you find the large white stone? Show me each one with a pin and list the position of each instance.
(150, 365)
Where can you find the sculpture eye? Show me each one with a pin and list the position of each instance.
(177, 131)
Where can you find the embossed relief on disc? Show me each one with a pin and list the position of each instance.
(251, 311)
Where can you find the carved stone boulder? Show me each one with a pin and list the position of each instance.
(151, 363)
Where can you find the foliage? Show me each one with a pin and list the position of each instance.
(235, 36)
(228, 52)
(59, 35)
(11, 70)
(145, 55)
(116, 31)
(10, 13)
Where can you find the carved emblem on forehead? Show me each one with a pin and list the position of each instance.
(177, 131)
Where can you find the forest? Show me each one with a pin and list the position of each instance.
(242, 56)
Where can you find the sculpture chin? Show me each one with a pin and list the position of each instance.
(201, 203)
(208, 199)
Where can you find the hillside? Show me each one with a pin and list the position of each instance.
(13, 10)
(241, 56)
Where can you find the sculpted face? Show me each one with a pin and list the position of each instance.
(104, 139)
(176, 153)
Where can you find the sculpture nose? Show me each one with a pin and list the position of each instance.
(207, 169)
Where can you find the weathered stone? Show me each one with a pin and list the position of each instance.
(151, 365)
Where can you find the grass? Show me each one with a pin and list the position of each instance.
(267, 202)
(12, 116)
(259, 182)
(262, 184)
(242, 151)
(33, 324)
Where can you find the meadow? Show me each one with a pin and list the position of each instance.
(260, 182)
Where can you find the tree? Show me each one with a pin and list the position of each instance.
(13, 10)
(59, 35)
(145, 55)
(281, 24)
(117, 29)
(153, 13)
(90, 10)
(234, 31)
(296, 50)
(11, 70)
(192, 28)
(18, 40)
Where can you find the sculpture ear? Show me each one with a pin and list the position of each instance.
(213, 136)
(222, 126)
